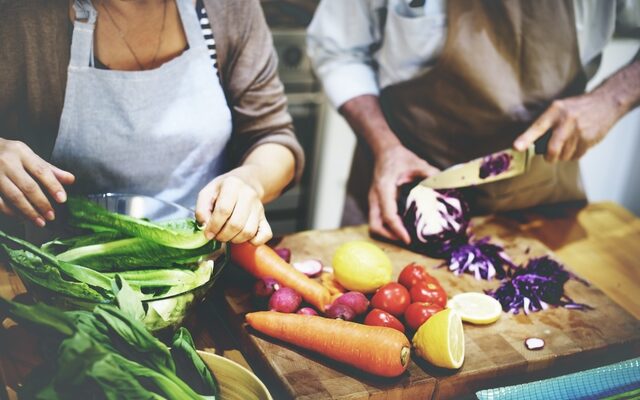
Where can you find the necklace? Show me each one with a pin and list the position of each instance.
(124, 39)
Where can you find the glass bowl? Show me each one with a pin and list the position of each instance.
(161, 314)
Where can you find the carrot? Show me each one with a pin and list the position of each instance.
(263, 262)
(375, 349)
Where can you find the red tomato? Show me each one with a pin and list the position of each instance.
(377, 317)
(427, 292)
(414, 273)
(392, 298)
(418, 313)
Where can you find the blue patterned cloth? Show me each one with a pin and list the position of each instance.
(595, 383)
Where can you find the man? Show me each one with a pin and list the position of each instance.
(425, 85)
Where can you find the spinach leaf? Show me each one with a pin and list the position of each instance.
(190, 367)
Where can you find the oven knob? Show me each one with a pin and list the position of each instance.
(292, 56)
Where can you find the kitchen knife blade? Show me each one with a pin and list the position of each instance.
(478, 171)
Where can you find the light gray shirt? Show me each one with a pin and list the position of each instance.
(354, 55)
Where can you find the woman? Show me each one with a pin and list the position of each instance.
(157, 97)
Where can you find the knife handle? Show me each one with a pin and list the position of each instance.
(543, 142)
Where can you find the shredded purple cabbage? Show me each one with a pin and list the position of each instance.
(482, 259)
(535, 287)
(495, 164)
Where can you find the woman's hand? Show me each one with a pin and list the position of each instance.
(24, 180)
(231, 209)
(393, 168)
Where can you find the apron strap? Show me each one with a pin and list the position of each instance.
(82, 39)
(191, 25)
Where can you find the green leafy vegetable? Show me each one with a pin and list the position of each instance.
(190, 366)
(86, 212)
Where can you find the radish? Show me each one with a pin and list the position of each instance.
(265, 287)
(285, 300)
(284, 253)
(310, 268)
(307, 311)
(355, 300)
(340, 311)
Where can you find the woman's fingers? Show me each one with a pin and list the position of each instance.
(264, 233)
(6, 209)
(237, 221)
(16, 198)
(250, 228)
(205, 200)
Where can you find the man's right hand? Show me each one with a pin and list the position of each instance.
(393, 168)
(24, 179)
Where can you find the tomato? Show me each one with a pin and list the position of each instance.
(414, 273)
(392, 298)
(418, 313)
(377, 317)
(427, 292)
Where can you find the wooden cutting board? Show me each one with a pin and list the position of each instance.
(495, 354)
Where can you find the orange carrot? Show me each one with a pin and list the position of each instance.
(375, 349)
(263, 262)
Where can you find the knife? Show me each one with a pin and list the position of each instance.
(496, 166)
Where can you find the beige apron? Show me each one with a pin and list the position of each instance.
(502, 64)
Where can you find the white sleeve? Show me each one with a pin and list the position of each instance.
(340, 39)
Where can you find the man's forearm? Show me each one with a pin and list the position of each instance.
(364, 115)
(622, 89)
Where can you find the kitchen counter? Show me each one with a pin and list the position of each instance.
(598, 242)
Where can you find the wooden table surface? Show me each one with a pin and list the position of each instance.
(599, 242)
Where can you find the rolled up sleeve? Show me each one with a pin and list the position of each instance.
(340, 42)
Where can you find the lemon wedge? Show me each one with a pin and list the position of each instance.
(476, 308)
(440, 340)
(361, 266)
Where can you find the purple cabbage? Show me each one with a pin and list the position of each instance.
(535, 287)
(494, 165)
(482, 259)
(437, 220)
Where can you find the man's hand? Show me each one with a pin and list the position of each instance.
(393, 168)
(24, 179)
(231, 209)
(578, 123)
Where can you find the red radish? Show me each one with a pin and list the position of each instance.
(307, 311)
(285, 300)
(355, 300)
(284, 253)
(310, 268)
(379, 317)
(265, 287)
(340, 311)
(261, 261)
(374, 349)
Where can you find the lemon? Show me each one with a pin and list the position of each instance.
(440, 340)
(476, 308)
(361, 266)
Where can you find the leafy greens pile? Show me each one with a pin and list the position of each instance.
(105, 354)
(157, 260)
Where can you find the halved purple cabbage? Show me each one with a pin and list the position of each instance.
(436, 220)
(482, 259)
(535, 287)
(495, 164)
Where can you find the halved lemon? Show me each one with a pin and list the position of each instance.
(440, 340)
(476, 308)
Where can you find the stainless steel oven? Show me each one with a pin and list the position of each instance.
(293, 211)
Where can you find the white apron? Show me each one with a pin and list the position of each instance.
(160, 132)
